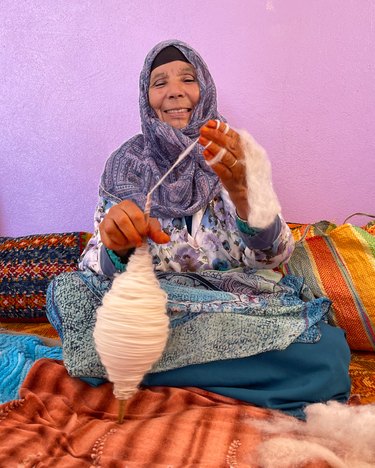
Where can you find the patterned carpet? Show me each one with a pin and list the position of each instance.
(40, 329)
(362, 373)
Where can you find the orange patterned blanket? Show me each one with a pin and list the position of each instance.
(63, 422)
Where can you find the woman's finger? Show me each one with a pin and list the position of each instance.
(223, 127)
(131, 223)
(111, 236)
(215, 154)
(155, 232)
(229, 140)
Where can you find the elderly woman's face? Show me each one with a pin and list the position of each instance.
(174, 92)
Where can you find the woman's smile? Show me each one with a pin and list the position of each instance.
(174, 92)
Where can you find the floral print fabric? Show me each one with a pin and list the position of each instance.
(216, 243)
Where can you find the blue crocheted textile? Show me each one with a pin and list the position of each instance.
(17, 354)
(213, 316)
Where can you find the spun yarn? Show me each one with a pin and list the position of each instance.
(131, 329)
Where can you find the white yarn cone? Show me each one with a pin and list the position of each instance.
(131, 330)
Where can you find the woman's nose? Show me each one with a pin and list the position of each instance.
(175, 91)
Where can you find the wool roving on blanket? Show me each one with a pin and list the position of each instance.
(131, 330)
(334, 434)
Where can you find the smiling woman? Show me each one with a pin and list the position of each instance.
(174, 89)
(216, 210)
(174, 93)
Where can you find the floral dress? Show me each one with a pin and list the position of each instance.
(214, 242)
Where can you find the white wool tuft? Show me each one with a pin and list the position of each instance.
(287, 453)
(341, 435)
(131, 330)
(263, 202)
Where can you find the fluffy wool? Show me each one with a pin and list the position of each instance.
(341, 436)
(263, 202)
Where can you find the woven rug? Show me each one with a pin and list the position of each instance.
(40, 329)
(362, 373)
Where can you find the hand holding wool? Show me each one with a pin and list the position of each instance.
(224, 152)
(245, 172)
(124, 227)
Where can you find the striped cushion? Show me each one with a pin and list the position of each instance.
(339, 262)
(27, 265)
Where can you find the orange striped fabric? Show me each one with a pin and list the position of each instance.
(61, 421)
(339, 262)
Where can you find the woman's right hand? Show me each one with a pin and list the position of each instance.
(124, 227)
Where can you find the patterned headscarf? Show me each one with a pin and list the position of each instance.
(138, 164)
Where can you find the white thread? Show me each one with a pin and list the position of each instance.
(217, 124)
(227, 127)
(147, 208)
(208, 144)
(179, 159)
(217, 158)
(131, 329)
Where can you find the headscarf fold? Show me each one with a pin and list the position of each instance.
(133, 169)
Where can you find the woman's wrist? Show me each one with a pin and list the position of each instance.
(119, 261)
(241, 204)
(244, 227)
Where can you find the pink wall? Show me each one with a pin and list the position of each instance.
(298, 74)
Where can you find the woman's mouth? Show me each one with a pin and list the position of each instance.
(177, 112)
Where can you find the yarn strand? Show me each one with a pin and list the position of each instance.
(178, 160)
(131, 329)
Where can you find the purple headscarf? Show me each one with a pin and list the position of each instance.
(133, 169)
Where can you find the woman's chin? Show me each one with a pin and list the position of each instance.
(178, 123)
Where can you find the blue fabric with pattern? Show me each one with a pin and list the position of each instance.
(213, 316)
(17, 354)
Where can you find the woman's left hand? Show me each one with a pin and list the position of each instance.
(218, 137)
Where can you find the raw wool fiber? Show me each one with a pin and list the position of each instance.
(341, 436)
(262, 198)
(131, 330)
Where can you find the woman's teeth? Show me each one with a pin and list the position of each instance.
(177, 111)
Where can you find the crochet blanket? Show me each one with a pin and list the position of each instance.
(17, 354)
(213, 316)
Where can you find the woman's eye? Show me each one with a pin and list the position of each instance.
(158, 84)
(189, 79)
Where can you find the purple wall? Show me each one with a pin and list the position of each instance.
(298, 74)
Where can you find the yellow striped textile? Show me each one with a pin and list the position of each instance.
(339, 262)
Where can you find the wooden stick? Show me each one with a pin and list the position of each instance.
(121, 411)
